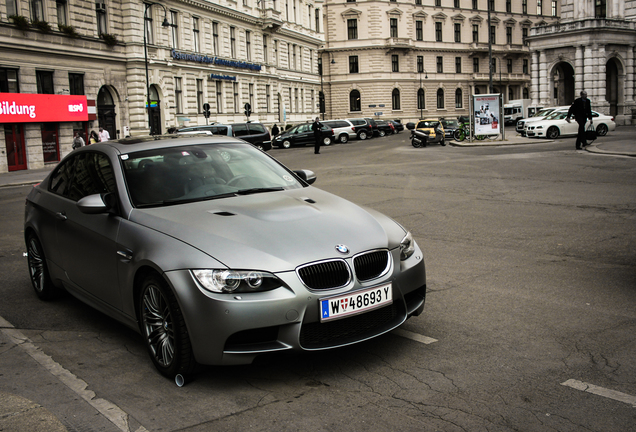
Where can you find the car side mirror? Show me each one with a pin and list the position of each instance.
(308, 176)
(96, 204)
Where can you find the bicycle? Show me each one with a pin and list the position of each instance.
(464, 131)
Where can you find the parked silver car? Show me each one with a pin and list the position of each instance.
(343, 130)
(215, 252)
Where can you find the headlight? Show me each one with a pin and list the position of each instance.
(407, 246)
(231, 281)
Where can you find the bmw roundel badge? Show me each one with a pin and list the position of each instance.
(342, 249)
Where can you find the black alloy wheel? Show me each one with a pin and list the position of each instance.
(163, 329)
(38, 270)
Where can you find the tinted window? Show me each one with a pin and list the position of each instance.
(256, 128)
(84, 174)
(240, 129)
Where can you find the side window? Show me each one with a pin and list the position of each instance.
(256, 128)
(240, 129)
(85, 174)
(62, 177)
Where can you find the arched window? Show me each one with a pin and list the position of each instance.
(511, 94)
(459, 99)
(354, 101)
(395, 97)
(526, 93)
(440, 98)
(421, 102)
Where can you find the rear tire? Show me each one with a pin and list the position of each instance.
(163, 329)
(344, 138)
(601, 130)
(382, 133)
(362, 135)
(38, 270)
(326, 141)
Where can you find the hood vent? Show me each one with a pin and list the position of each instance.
(222, 213)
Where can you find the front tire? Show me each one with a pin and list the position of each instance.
(163, 329)
(286, 144)
(38, 270)
(382, 133)
(553, 132)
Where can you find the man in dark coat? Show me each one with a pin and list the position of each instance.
(581, 109)
(275, 130)
(317, 128)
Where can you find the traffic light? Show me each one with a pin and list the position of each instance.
(248, 109)
(206, 110)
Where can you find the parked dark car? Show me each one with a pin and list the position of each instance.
(374, 126)
(397, 126)
(364, 129)
(302, 135)
(450, 126)
(384, 127)
(253, 133)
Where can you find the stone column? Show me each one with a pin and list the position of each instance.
(544, 83)
(629, 75)
(588, 71)
(534, 78)
(579, 75)
(600, 95)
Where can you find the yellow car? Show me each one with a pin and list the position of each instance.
(434, 129)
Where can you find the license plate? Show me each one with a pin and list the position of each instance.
(355, 303)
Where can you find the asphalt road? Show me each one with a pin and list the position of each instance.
(529, 324)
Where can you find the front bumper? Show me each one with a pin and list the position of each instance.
(236, 328)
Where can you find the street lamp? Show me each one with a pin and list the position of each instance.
(164, 24)
(422, 91)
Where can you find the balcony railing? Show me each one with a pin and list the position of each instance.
(586, 24)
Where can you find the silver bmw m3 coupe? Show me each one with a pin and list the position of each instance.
(216, 253)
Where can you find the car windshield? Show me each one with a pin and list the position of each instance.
(175, 175)
(556, 115)
(450, 123)
(427, 124)
(543, 113)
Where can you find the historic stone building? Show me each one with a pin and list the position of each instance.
(424, 58)
(591, 48)
(224, 53)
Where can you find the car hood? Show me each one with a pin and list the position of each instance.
(274, 231)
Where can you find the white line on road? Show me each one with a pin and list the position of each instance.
(601, 391)
(112, 412)
(414, 336)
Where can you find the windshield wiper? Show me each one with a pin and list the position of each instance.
(259, 190)
(195, 199)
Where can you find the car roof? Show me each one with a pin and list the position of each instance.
(148, 142)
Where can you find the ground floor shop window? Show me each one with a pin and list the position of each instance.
(50, 142)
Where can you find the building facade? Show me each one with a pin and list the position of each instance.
(424, 58)
(591, 49)
(190, 53)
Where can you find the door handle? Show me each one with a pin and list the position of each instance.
(61, 216)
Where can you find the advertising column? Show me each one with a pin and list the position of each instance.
(486, 114)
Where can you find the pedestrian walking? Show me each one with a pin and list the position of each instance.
(581, 109)
(103, 135)
(275, 130)
(78, 141)
(93, 138)
(317, 128)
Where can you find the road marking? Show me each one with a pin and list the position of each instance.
(112, 412)
(414, 336)
(601, 391)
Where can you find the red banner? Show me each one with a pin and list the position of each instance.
(41, 108)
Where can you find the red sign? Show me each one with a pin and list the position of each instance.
(40, 108)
